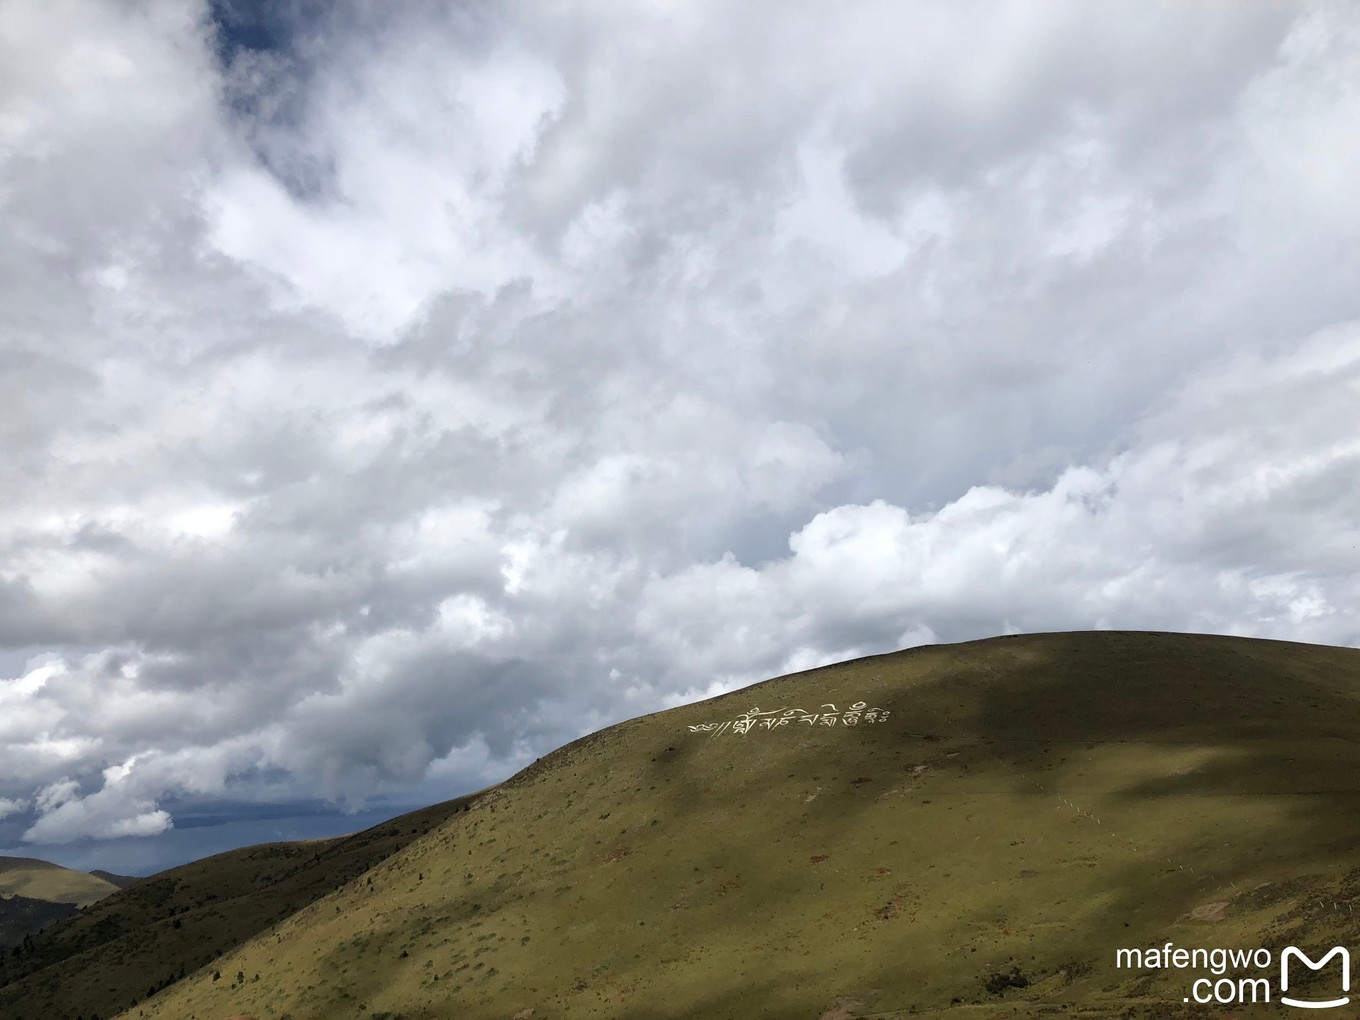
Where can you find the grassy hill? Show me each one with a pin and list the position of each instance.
(42, 880)
(1028, 806)
(160, 929)
(35, 894)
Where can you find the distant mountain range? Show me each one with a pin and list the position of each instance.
(975, 830)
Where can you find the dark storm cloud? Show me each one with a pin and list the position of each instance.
(267, 51)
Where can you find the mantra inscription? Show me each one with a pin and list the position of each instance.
(827, 715)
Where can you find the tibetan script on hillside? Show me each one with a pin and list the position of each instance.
(827, 715)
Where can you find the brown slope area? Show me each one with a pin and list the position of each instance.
(43, 880)
(164, 927)
(1031, 805)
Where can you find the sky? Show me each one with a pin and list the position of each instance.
(392, 393)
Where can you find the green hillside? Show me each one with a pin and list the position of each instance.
(162, 928)
(1028, 806)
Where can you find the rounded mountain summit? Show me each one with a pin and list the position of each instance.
(975, 829)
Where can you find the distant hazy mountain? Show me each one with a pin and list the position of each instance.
(972, 830)
(121, 881)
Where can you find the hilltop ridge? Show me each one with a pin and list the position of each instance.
(43, 880)
(1016, 810)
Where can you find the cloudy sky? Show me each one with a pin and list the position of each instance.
(390, 393)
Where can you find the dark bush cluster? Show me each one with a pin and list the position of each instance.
(998, 983)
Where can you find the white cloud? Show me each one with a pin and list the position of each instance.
(1232, 513)
(121, 807)
(98, 816)
(411, 403)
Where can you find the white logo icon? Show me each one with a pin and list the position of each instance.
(1303, 957)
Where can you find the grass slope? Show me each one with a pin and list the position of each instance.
(42, 880)
(163, 928)
(1030, 805)
(34, 894)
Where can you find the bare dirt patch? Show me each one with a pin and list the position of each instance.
(1211, 912)
(844, 1009)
